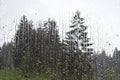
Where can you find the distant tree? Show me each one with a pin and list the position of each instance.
(48, 46)
(1, 58)
(78, 48)
(103, 65)
(22, 46)
(53, 43)
(6, 55)
(106, 66)
(116, 62)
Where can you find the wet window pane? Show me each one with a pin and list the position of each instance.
(59, 40)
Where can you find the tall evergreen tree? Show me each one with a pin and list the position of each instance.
(1, 58)
(116, 62)
(52, 44)
(78, 48)
(6, 55)
(22, 45)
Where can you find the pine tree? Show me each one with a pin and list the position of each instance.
(78, 35)
(52, 44)
(1, 59)
(116, 62)
(78, 48)
(22, 46)
(6, 55)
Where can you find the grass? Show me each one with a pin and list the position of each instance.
(16, 75)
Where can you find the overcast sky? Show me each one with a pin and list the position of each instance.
(102, 17)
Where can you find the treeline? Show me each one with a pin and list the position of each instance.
(107, 67)
(38, 51)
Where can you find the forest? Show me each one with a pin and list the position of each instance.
(41, 54)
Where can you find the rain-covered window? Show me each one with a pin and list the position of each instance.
(59, 40)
